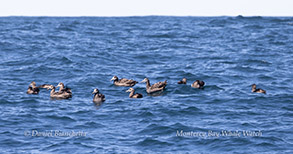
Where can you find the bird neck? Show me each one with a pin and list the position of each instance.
(61, 88)
(131, 94)
(52, 90)
(148, 84)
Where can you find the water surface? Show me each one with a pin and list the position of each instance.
(228, 53)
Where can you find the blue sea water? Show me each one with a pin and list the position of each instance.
(228, 53)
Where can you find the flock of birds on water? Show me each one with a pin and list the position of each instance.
(65, 93)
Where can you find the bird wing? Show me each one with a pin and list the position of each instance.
(159, 85)
(127, 81)
(123, 80)
(101, 95)
(65, 90)
(201, 83)
(68, 90)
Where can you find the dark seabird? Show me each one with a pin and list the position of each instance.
(253, 89)
(123, 82)
(132, 93)
(62, 88)
(159, 86)
(197, 84)
(98, 97)
(59, 95)
(32, 89)
(183, 81)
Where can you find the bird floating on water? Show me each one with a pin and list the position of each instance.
(133, 94)
(63, 89)
(159, 86)
(183, 81)
(59, 94)
(198, 84)
(253, 89)
(98, 97)
(123, 82)
(33, 89)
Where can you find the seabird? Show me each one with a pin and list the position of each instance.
(123, 82)
(59, 95)
(132, 93)
(183, 81)
(98, 97)
(159, 86)
(32, 89)
(197, 84)
(253, 89)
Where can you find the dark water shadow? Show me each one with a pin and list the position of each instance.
(98, 105)
(159, 93)
(55, 99)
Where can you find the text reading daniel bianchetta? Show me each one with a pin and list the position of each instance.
(55, 133)
(216, 134)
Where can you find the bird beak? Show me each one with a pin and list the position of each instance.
(95, 91)
(127, 90)
(112, 79)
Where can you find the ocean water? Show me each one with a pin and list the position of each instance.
(228, 53)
